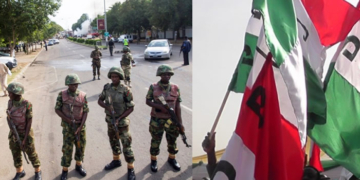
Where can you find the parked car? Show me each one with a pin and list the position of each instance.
(51, 42)
(56, 41)
(122, 37)
(4, 54)
(158, 49)
(10, 62)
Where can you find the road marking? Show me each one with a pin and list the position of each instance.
(83, 61)
(185, 107)
(82, 56)
(104, 66)
(47, 84)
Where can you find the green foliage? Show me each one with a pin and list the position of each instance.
(79, 40)
(91, 41)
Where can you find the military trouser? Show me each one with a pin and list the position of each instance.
(157, 128)
(127, 71)
(68, 143)
(126, 140)
(96, 64)
(29, 149)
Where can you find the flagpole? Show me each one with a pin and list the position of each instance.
(219, 114)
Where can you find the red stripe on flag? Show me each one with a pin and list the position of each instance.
(315, 158)
(333, 19)
(273, 140)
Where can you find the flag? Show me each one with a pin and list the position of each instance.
(264, 145)
(338, 136)
(315, 157)
(332, 19)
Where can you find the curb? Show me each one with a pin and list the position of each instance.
(25, 68)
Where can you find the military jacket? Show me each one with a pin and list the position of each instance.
(96, 54)
(126, 59)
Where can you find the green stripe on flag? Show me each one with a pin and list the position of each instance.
(339, 135)
(280, 26)
(241, 74)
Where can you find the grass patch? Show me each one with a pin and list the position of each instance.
(16, 71)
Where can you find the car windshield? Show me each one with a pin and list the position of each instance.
(158, 44)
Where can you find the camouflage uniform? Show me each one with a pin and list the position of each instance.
(122, 100)
(20, 112)
(96, 63)
(159, 124)
(20, 109)
(126, 62)
(80, 106)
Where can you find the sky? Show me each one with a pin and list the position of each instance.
(71, 10)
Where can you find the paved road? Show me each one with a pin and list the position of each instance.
(44, 79)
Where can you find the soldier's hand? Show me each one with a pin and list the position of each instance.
(77, 130)
(23, 144)
(209, 144)
(182, 129)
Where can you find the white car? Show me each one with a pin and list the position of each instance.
(158, 49)
(56, 41)
(10, 62)
(122, 37)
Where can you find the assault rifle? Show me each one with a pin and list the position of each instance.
(113, 120)
(13, 129)
(77, 136)
(174, 119)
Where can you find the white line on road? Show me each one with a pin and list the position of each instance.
(185, 107)
(83, 61)
(82, 56)
(104, 66)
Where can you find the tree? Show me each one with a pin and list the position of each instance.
(162, 13)
(23, 17)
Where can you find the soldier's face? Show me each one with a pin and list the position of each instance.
(73, 87)
(165, 77)
(14, 96)
(115, 78)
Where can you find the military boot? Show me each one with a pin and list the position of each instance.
(38, 175)
(113, 164)
(153, 166)
(131, 174)
(174, 164)
(19, 175)
(80, 170)
(98, 77)
(94, 78)
(64, 175)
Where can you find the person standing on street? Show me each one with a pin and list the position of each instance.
(20, 114)
(186, 48)
(126, 42)
(117, 100)
(4, 71)
(160, 117)
(45, 45)
(126, 63)
(96, 63)
(111, 46)
(72, 107)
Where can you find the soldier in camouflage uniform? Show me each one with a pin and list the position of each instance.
(160, 118)
(20, 113)
(126, 63)
(117, 98)
(96, 63)
(71, 106)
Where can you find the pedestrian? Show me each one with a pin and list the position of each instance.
(45, 45)
(126, 42)
(72, 107)
(20, 114)
(4, 71)
(117, 100)
(186, 48)
(159, 121)
(96, 62)
(126, 63)
(24, 48)
(111, 46)
(17, 48)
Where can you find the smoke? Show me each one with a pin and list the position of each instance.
(84, 28)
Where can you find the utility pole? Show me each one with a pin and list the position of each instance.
(106, 38)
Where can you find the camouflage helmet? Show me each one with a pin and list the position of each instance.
(126, 49)
(15, 88)
(164, 68)
(72, 79)
(118, 71)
